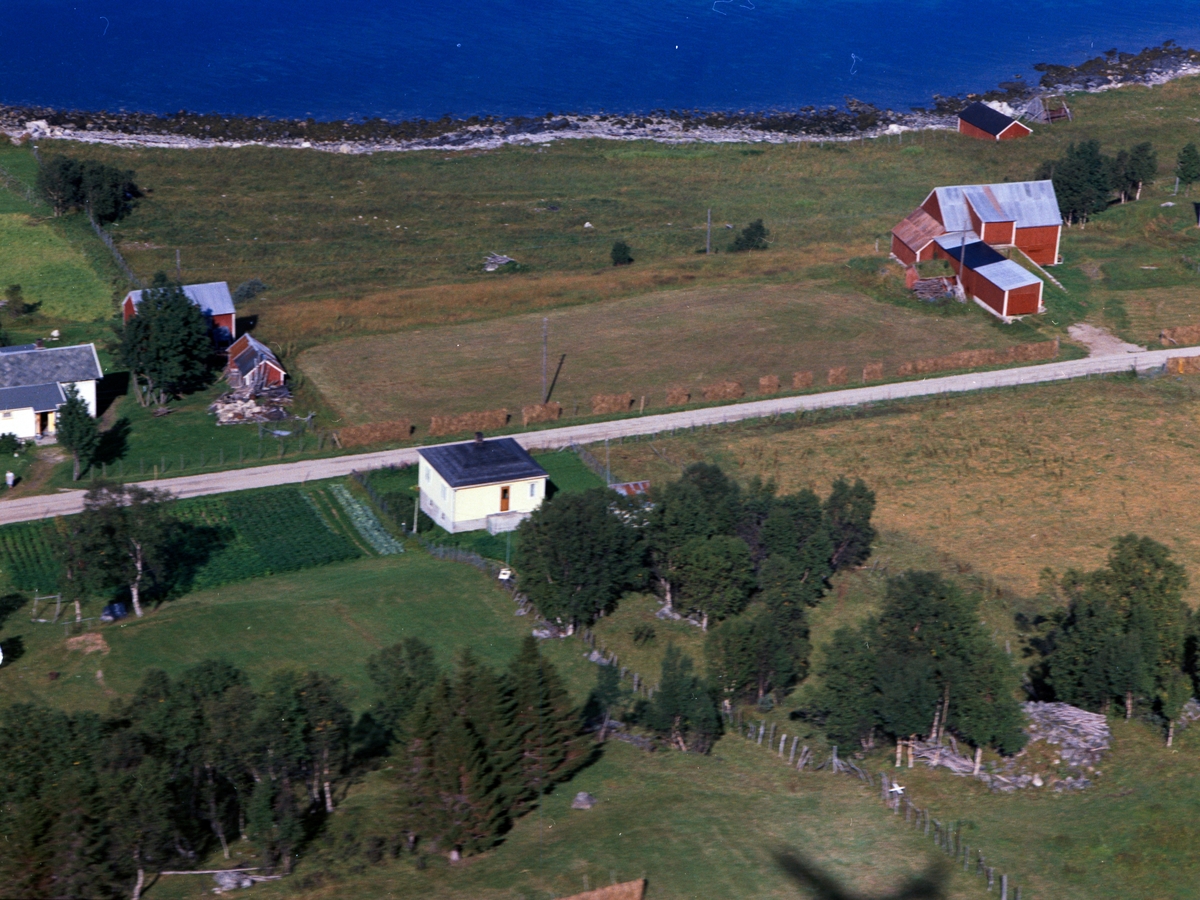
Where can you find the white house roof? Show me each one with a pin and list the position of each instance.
(213, 298)
(1030, 204)
(1007, 275)
(60, 365)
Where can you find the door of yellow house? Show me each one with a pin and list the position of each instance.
(504, 499)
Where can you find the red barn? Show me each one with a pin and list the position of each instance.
(213, 299)
(981, 121)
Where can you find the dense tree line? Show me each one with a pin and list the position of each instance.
(1086, 181)
(1126, 634)
(94, 806)
(745, 562)
(91, 804)
(105, 191)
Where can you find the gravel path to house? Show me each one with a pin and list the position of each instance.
(69, 502)
(1101, 342)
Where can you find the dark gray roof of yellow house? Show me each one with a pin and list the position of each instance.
(482, 462)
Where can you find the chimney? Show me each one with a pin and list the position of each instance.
(40, 344)
(479, 439)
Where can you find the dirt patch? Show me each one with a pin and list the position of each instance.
(1100, 342)
(88, 643)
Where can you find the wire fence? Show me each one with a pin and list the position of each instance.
(116, 254)
(19, 187)
(949, 837)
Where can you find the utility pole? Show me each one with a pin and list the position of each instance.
(708, 234)
(178, 267)
(545, 338)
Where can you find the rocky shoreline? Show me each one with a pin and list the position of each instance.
(858, 121)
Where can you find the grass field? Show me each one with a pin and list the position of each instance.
(389, 241)
(645, 345)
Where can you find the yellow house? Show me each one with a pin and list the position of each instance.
(480, 484)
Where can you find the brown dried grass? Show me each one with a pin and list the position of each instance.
(630, 890)
(678, 396)
(486, 420)
(1180, 336)
(768, 384)
(801, 380)
(88, 643)
(541, 412)
(837, 375)
(873, 372)
(608, 404)
(375, 433)
(724, 390)
(1184, 365)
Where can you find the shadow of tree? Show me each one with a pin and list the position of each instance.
(114, 442)
(13, 649)
(188, 546)
(928, 885)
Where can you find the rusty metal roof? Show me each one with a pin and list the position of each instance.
(917, 229)
(631, 488)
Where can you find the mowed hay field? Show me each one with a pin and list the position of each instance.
(51, 272)
(645, 345)
(1004, 483)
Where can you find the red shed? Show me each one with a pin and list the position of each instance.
(253, 365)
(999, 284)
(981, 121)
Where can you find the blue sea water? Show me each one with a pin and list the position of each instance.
(361, 58)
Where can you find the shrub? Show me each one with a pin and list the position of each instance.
(9, 443)
(753, 237)
(248, 290)
(620, 254)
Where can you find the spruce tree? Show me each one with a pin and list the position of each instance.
(752, 237)
(77, 431)
(847, 700)
(547, 726)
(400, 673)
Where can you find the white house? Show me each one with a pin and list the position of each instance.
(33, 384)
(480, 484)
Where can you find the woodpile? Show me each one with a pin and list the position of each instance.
(1183, 365)
(972, 359)
(724, 390)
(375, 433)
(1182, 336)
(768, 384)
(245, 405)
(541, 412)
(873, 372)
(607, 404)
(930, 289)
(486, 420)
(837, 375)
(801, 380)
(678, 396)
